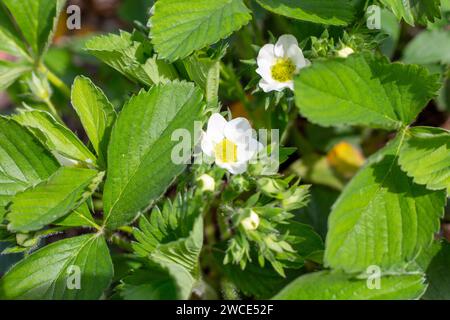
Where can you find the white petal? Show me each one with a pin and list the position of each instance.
(248, 151)
(238, 130)
(266, 59)
(265, 73)
(284, 44)
(296, 55)
(238, 167)
(233, 168)
(207, 145)
(266, 56)
(268, 86)
(216, 126)
(275, 85)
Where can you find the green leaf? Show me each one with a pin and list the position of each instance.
(382, 218)
(10, 41)
(431, 46)
(97, 114)
(130, 57)
(327, 285)
(36, 19)
(157, 283)
(413, 11)
(307, 243)
(173, 234)
(24, 161)
(178, 27)
(425, 257)
(46, 273)
(318, 209)
(363, 90)
(438, 276)
(391, 27)
(205, 72)
(80, 217)
(333, 12)
(9, 186)
(55, 136)
(10, 72)
(254, 280)
(172, 240)
(425, 156)
(140, 165)
(50, 200)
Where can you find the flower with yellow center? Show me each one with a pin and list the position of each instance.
(226, 151)
(279, 63)
(231, 143)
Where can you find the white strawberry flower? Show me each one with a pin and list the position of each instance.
(230, 143)
(279, 63)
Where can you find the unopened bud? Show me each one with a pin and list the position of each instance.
(251, 222)
(345, 52)
(207, 182)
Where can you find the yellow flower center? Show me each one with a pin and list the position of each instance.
(283, 70)
(226, 151)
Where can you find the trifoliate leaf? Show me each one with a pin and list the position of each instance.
(178, 27)
(425, 156)
(140, 164)
(326, 285)
(333, 12)
(51, 272)
(363, 89)
(50, 200)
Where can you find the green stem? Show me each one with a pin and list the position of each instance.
(289, 126)
(55, 80)
(52, 109)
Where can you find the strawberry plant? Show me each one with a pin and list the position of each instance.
(226, 149)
